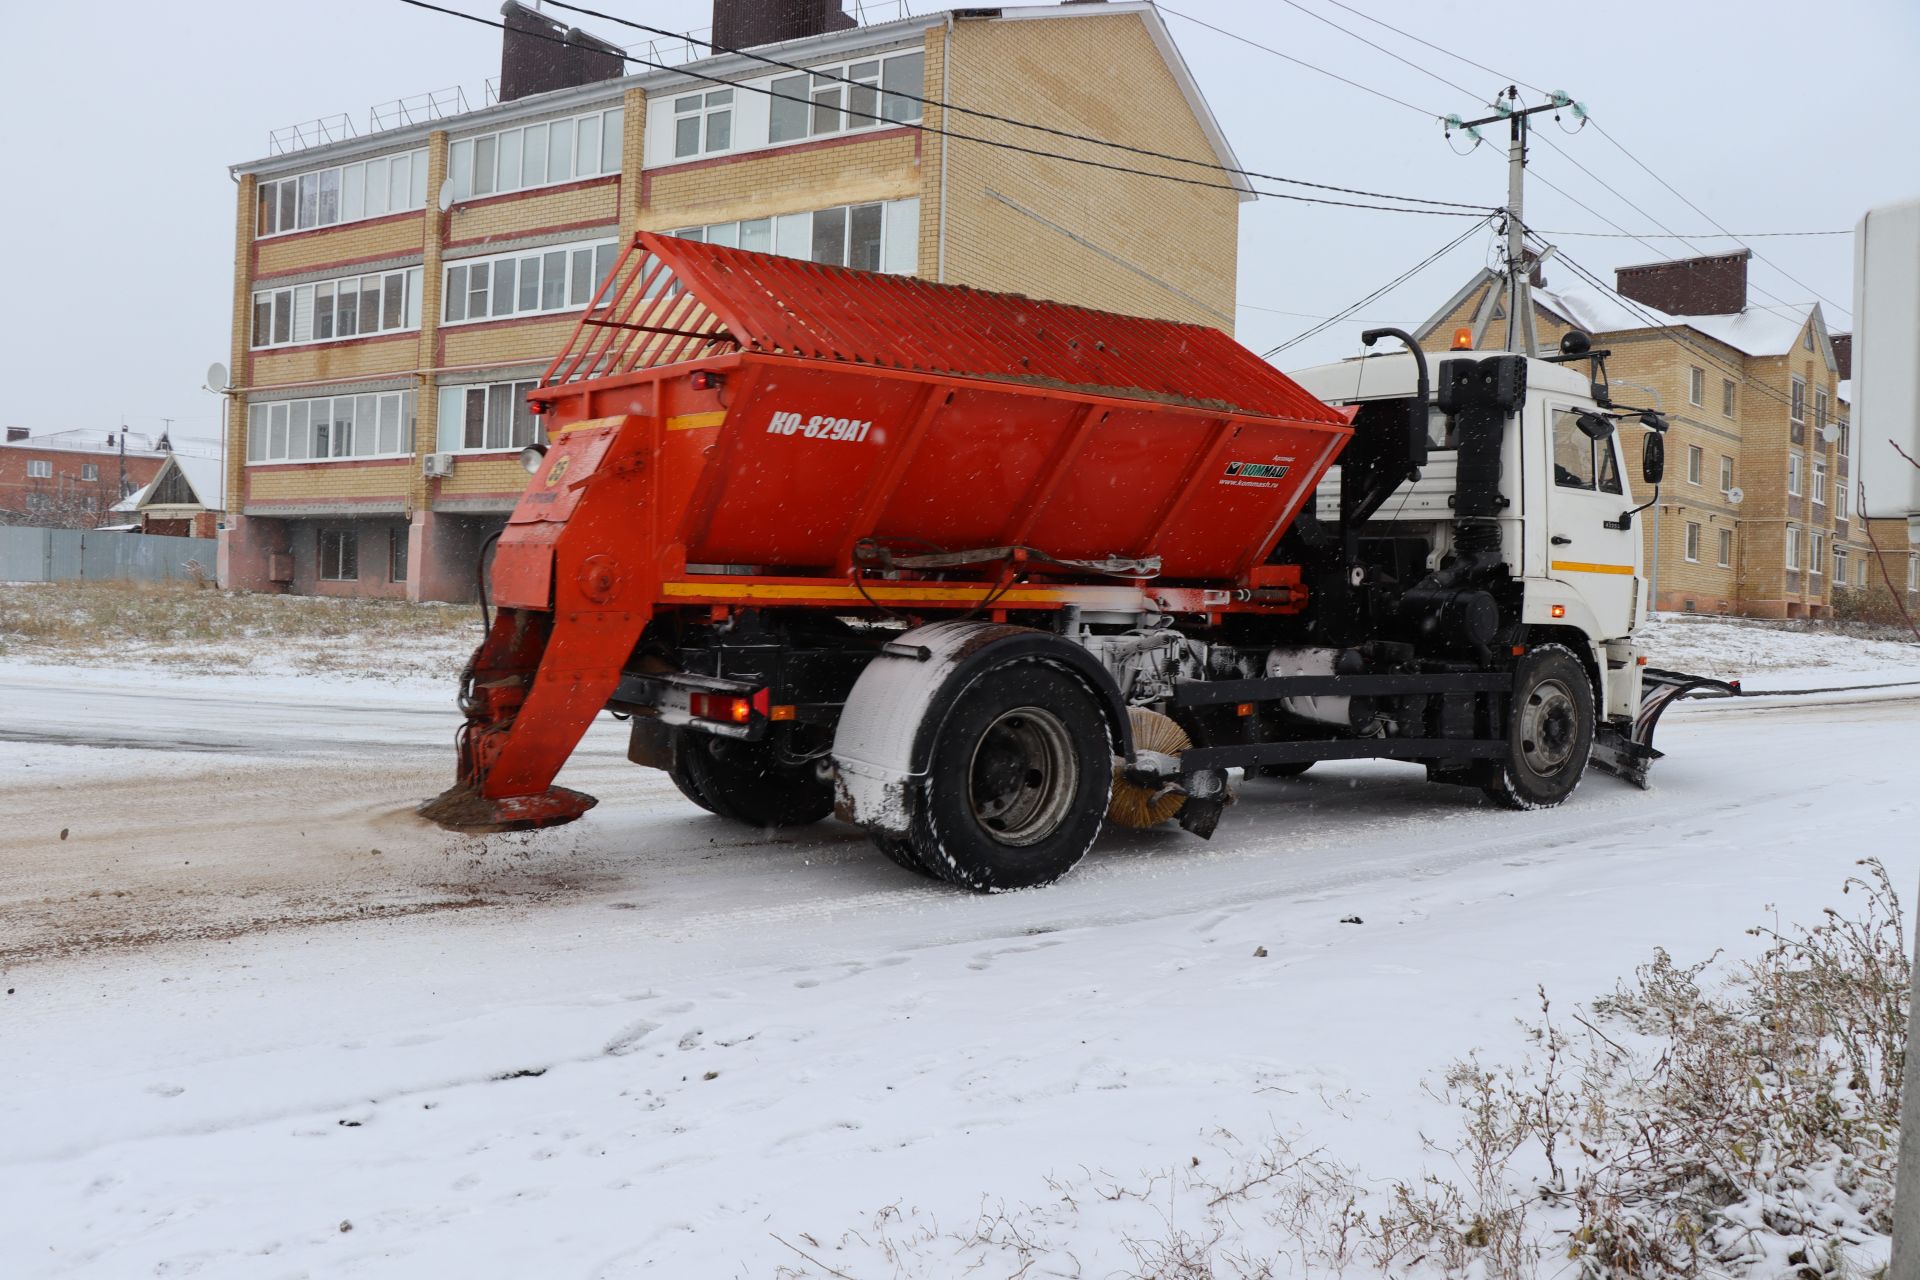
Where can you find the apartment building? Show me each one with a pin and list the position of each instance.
(70, 479)
(396, 296)
(1757, 512)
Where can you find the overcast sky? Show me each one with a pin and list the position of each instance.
(118, 128)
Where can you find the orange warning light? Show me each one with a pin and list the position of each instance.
(1463, 339)
(1243, 709)
(1559, 611)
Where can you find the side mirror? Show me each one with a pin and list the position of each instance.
(1595, 427)
(1653, 458)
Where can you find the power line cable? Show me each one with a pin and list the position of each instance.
(1298, 62)
(1510, 79)
(1621, 147)
(1383, 290)
(1697, 235)
(1603, 132)
(945, 106)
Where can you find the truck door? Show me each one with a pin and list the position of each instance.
(1587, 494)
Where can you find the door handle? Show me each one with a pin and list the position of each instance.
(1559, 541)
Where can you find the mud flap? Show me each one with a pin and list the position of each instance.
(1207, 798)
(1629, 754)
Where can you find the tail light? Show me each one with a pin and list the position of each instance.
(726, 708)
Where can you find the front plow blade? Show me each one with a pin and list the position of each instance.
(462, 808)
(1629, 757)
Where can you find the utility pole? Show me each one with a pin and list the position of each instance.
(1520, 335)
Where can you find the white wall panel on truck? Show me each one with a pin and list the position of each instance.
(1886, 361)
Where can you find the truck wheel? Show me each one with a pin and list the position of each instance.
(1551, 733)
(683, 779)
(738, 780)
(1017, 783)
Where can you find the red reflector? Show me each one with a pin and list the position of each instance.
(1642, 660)
(1519, 650)
(719, 706)
(1244, 709)
(705, 380)
(785, 712)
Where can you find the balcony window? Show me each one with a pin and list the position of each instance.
(342, 194)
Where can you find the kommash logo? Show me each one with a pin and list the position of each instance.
(1257, 475)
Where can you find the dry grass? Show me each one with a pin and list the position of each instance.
(181, 626)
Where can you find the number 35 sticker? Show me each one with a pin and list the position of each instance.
(818, 427)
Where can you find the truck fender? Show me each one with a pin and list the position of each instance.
(894, 713)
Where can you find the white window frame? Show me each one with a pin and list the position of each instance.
(89, 472)
(1820, 481)
(275, 427)
(1691, 547)
(886, 95)
(1860, 572)
(485, 165)
(1726, 548)
(1839, 501)
(1797, 404)
(1818, 553)
(320, 555)
(1793, 549)
(1729, 398)
(1696, 463)
(1726, 473)
(785, 233)
(1839, 565)
(1820, 407)
(709, 111)
(1913, 573)
(39, 469)
(1795, 467)
(457, 401)
(1696, 385)
(344, 180)
(459, 295)
(305, 306)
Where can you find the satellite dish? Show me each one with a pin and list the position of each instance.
(446, 195)
(1735, 496)
(216, 375)
(1830, 432)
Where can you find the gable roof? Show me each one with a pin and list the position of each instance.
(202, 476)
(1756, 331)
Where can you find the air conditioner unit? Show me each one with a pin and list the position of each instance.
(437, 464)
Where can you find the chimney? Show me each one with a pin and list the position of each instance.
(538, 55)
(1715, 286)
(16, 434)
(742, 24)
(1842, 353)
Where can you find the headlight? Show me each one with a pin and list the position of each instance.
(532, 456)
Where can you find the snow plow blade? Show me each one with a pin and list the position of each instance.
(463, 808)
(1629, 758)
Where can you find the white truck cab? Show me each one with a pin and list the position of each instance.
(1569, 526)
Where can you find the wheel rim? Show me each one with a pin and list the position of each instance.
(1023, 777)
(1549, 724)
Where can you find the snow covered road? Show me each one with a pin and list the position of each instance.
(253, 999)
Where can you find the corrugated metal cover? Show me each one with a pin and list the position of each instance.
(786, 306)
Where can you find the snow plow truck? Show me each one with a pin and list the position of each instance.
(980, 573)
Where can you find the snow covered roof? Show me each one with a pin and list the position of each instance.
(201, 474)
(133, 500)
(78, 440)
(1757, 331)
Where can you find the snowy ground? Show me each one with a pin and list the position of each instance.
(259, 1021)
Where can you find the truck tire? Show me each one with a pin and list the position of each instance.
(1017, 783)
(739, 781)
(1551, 733)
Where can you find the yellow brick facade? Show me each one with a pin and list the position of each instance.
(987, 218)
(1654, 368)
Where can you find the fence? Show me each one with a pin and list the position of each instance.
(88, 555)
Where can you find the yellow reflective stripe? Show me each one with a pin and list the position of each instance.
(694, 421)
(1575, 566)
(876, 591)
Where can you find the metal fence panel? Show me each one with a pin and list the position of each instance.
(72, 555)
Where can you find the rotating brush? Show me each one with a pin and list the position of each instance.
(1133, 805)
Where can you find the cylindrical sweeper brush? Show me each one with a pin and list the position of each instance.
(1134, 805)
